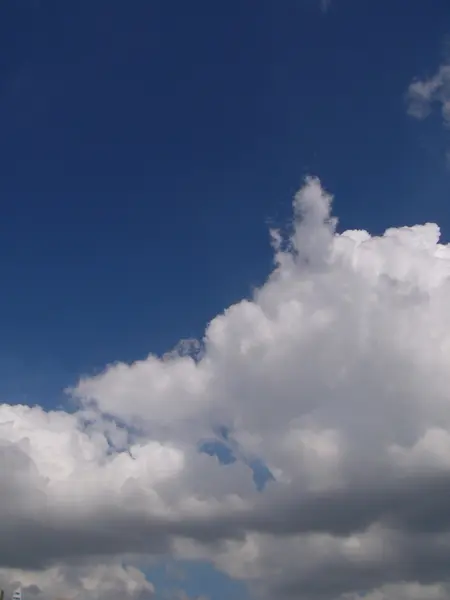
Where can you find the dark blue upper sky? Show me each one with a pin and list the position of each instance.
(146, 145)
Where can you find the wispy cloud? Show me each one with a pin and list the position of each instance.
(325, 5)
(425, 93)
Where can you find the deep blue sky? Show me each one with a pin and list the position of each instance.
(146, 145)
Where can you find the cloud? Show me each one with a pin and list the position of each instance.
(181, 595)
(334, 377)
(423, 94)
(110, 581)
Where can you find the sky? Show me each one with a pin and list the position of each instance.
(225, 279)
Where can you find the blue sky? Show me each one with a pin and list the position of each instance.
(146, 148)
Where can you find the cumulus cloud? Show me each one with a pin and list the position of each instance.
(334, 375)
(424, 93)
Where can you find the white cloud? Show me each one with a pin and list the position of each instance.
(423, 94)
(335, 375)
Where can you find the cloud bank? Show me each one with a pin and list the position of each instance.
(334, 375)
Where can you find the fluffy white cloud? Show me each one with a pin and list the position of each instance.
(335, 375)
(422, 94)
